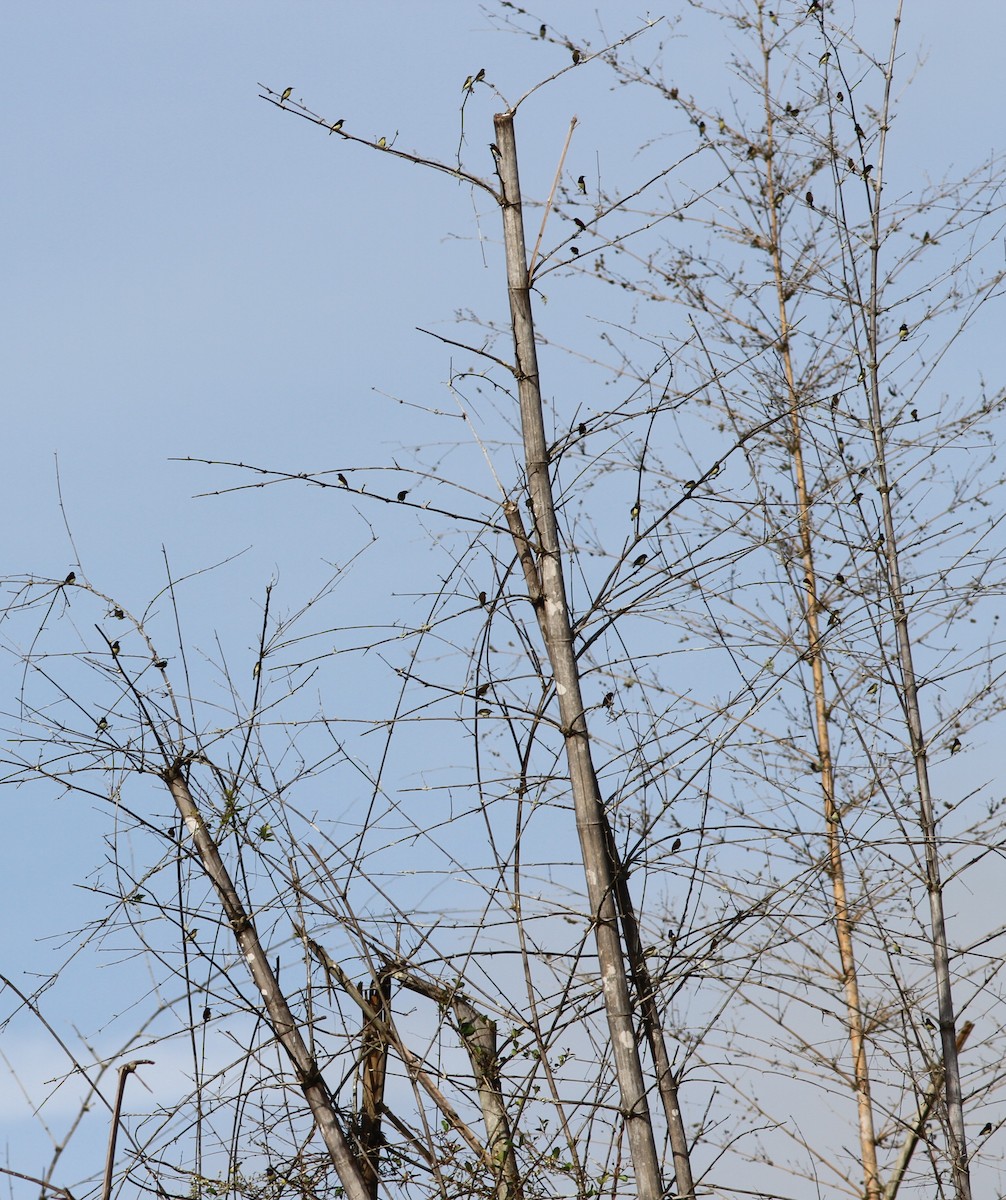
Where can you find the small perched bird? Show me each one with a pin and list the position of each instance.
(810, 199)
(676, 845)
(342, 479)
(402, 494)
(287, 92)
(206, 1014)
(382, 143)
(542, 31)
(576, 56)
(335, 126)
(114, 648)
(903, 331)
(71, 578)
(823, 60)
(955, 745)
(160, 663)
(103, 725)
(640, 560)
(581, 183)
(985, 1129)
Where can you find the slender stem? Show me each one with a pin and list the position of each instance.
(910, 689)
(374, 1070)
(387, 1030)
(281, 1018)
(812, 607)
(553, 616)
(113, 1133)
(667, 1084)
(915, 1129)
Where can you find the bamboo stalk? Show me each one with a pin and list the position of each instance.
(387, 1029)
(281, 1019)
(917, 1126)
(478, 1033)
(554, 620)
(891, 554)
(812, 607)
(374, 1068)
(667, 1085)
(478, 1036)
(124, 1072)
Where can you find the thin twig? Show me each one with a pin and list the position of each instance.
(551, 197)
(124, 1072)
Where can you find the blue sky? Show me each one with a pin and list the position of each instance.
(189, 272)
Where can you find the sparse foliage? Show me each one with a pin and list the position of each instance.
(633, 865)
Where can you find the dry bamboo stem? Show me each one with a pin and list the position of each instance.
(642, 982)
(917, 1126)
(910, 688)
(374, 1069)
(281, 1019)
(478, 1035)
(844, 927)
(388, 1031)
(553, 617)
(124, 1072)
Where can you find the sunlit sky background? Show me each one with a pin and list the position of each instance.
(190, 272)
